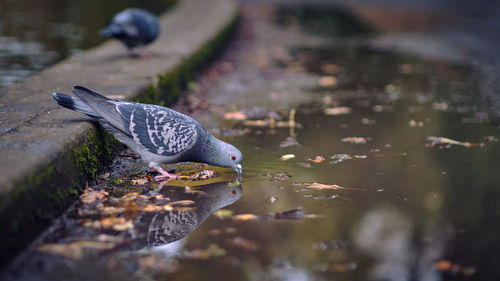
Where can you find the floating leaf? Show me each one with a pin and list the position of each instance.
(141, 181)
(340, 110)
(244, 244)
(204, 254)
(90, 196)
(223, 213)
(75, 250)
(236, 115)
(290, 141)
(448, 266)
(119, 224)
(446, 141)
(317, 159)
(357, 140)
(321, 186)
(287, 157)
(327, 81)
(337, 158)
(245, 217)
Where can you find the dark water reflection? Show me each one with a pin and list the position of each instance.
(36, 34)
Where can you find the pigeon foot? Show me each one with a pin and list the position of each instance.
(164, 175)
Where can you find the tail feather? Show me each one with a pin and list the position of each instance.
(75, 104)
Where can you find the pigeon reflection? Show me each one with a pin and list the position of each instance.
(161, 228)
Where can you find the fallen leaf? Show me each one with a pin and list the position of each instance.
(446, 141)
(338, 110)
(74, 250)
(223, 214)
(448, 266)
(244, 244)
(141, 181)
(119, 224)
(236, 115)
(90, 196)
(204, 254)
(287, 157)
(340, 157)
(245, 217)
(330, 68)
(327, 81)
(322, 186)
(317, 159)
(367, 121)
(290, 141)
(357, 140)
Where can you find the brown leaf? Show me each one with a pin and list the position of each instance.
(357, 140)
(236, 115)
(327, 81)
(317, 159)
(244, 244)
(245, 217)
(340, 110)
(89, 196)
(322, 186)
(446, 141)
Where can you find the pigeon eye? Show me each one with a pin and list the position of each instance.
(233, 157)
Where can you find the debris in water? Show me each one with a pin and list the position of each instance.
(322, 186)
(272, 199)
(118, 224)
(383, 108)
(290, 141)
(491, 139)
(211, 251)
(330, 245)
(75, 250)
(337, 158)
(338, 110)
(337, 267)
(357, 140)
(245, 217)
(280, 176)
(317, 159)
(434, 141)
(235, 115)
(287, 157)
(244, 244)
(223, 214)
(330, 68)
(367, 121)
(305, 164)
(414, 123)
(447, 266)
(327, 81)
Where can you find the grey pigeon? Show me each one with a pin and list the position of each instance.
(158, 134)
(133, 27)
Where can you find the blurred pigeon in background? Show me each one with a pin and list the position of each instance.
(133, 27)
(157, 133)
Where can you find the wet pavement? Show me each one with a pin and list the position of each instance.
(32, 39)
(358, 165)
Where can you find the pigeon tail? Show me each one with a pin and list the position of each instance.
(75, 104)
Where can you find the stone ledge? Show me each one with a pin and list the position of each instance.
(48, 153)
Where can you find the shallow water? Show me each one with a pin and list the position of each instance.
(394, 205)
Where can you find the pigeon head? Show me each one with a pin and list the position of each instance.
(226, 155)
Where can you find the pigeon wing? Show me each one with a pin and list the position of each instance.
(158, 129)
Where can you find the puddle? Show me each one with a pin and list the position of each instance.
(362, 193)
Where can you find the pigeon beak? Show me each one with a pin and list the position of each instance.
(239, 169)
